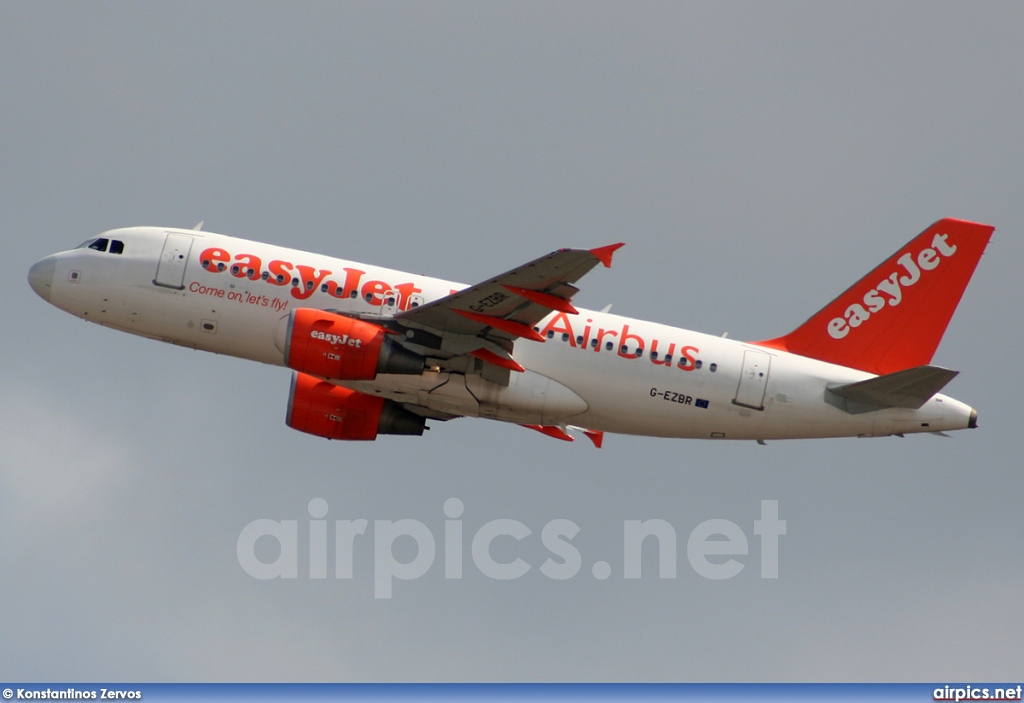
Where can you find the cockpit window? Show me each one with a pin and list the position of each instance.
(100, 244)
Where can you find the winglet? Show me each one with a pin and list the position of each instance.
(604, 254)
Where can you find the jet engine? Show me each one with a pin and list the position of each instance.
(323, 409)
(334, 346)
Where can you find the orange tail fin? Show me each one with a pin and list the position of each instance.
(893, 318)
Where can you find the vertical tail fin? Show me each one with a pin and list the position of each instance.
(893, 318)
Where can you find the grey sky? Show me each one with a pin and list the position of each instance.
(755, 158)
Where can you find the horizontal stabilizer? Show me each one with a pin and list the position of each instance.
(910, 388)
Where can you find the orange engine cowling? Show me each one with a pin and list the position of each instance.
(334, 346)
(323, 409)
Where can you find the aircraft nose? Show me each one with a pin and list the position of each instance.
(40, 277)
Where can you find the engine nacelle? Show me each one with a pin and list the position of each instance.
(334, 346)
(323, 409)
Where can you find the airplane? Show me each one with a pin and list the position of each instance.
(377, 351)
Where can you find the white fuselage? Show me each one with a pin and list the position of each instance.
(587, 369)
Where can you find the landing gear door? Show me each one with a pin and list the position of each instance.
(170, 272)
(753, 379)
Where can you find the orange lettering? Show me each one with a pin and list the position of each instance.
(374, 289)
(687, 360)
(600, 335)
(352, 277)
(214, 259)
(279, 272)
(308, 281)
(668, 355)
(244, 263)
(560, 324)
(626, 336)
(586, 335)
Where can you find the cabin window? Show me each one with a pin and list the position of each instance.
(116, 246)
(682, 362)
(323, 288)
(654, 356)
(697, 364)
(551, 334)
(265, 275)
(235, 270)
(623, 349)
(668, 358)
(639, 352)
(353, 294)
(593, 344)
(713, 367)
(609, 346)
(565, 336)
(99, 245)
(369, 297)
(579, 340)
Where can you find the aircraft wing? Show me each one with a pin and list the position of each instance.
(502, 306)
(485, 319)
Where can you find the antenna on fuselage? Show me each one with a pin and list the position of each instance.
(199, 225)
